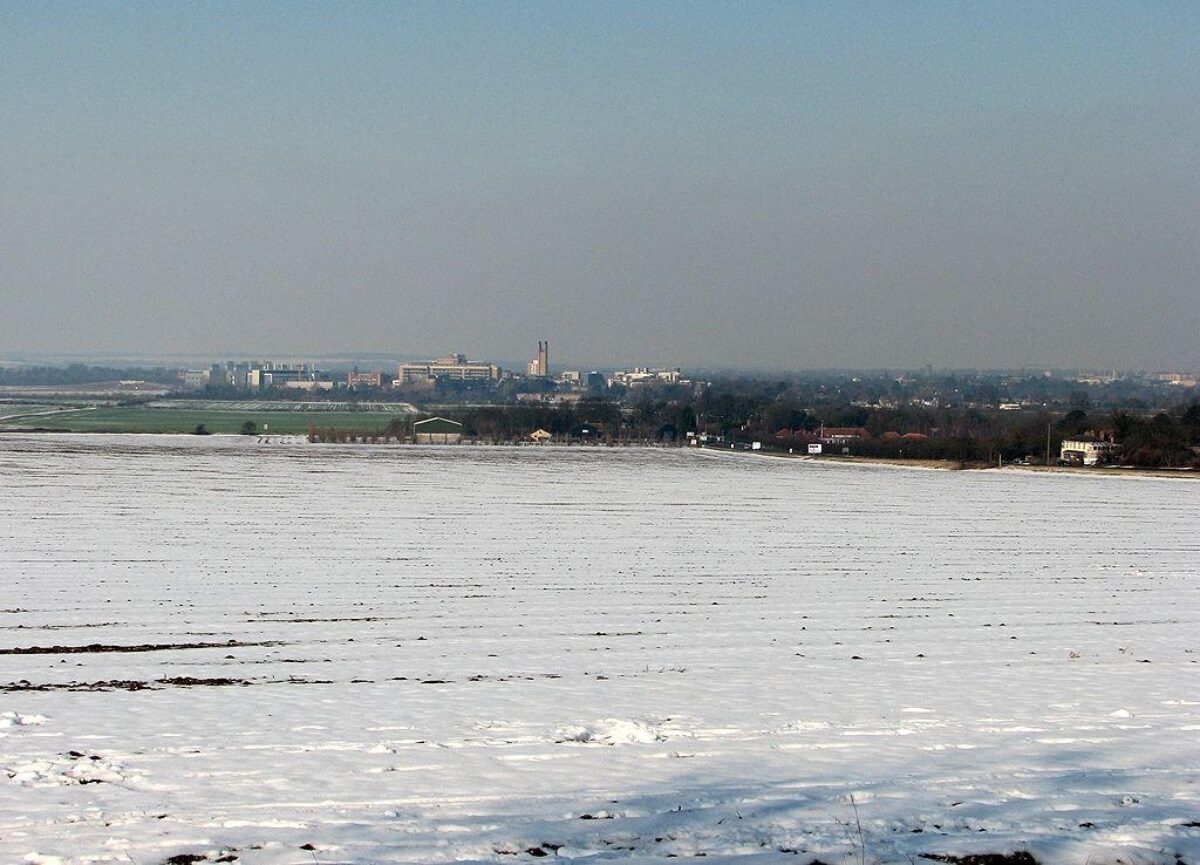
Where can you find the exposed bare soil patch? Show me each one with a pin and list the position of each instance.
(153, 684)
(100, 648)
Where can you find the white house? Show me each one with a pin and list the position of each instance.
(1085, 450)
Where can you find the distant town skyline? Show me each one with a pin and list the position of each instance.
(346, 360)
(716, 185)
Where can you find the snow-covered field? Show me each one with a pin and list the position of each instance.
(495, 654)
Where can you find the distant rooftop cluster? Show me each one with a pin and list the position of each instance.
(543, 384)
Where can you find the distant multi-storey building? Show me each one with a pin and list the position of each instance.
(196, 378)
(231, 373)
(267, 374)
(453, 367)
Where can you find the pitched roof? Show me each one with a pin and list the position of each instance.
(437, 425)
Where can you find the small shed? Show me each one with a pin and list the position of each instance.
(437, 430)
(540, 436)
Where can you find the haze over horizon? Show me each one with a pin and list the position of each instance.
(761, 185)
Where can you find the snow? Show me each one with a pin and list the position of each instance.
(612, 731)
(12, 719)
(610, 655)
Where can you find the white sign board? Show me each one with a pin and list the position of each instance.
(756, 446)
(814, 449)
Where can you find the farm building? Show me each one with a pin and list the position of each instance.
(1087, 451)
(437, 430)
(842, 434)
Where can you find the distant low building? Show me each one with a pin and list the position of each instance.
(437, 430)
(1179, 379)
(364, 379)
(1087, 451)
(551, 398)
(540, 436)
(837, 434)
(645, 375)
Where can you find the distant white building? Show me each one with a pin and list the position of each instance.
(268, 375)
(644, 375)
(306, 384)
(550, 398)
(1086, 451)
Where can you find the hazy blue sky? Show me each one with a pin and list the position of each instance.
(758, 184)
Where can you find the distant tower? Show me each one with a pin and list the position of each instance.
(541, 366)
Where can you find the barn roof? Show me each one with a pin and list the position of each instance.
(437, 425)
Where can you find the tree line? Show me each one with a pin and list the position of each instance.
(971, 435)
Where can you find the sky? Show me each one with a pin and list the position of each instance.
(757, 184)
